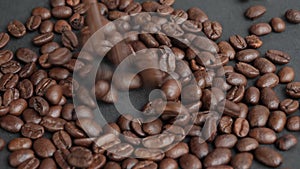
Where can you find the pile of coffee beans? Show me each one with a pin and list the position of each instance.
(199, 124)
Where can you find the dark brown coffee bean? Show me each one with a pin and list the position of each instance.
(152, 128)
(197, 14)
(120, 151)
(225, 124)
(62, 12)
(9, 96)
(16, 29)
(247, 70)
(99, 161)
(236, 79)
(58, 73)
(60, 56)
(43, 61)
(111, 4)
(278, 57)
(72, 3)
(33, 131)
(114, 15)
(165, 10)
(190, 161)
(269, 80)
(49, 47)
(269, 98)
(16, 107)
(44, 85)
(289, 106)
(26, 89)
(11, 123)
(199, 147)
(293, 90)
(277, 121)
(26, 55)
(150, 6)
(32, 163)
(77, 21)
(226, 49)
(247, 144)
(112, 165)
(258, 116)
(231, 109)
(46, 26)
(277, 24)
(53, 124)
(167, 2)
(54, 94)
(39, 104)
(55, 3)
(206, 44)
(286, 142)
(177, 151)
(253, 41)
(69, 40)
(61, 26)
(80, 157)
(8, 81)
(18, 157)
(218, 156)
(192, 26)
(286, 75)
(179, 16)
(242, 160)
(212, 29)
(149, 154)
(293, 16)
(238, 42)
(33, 23)
(255, 11)
(133, 8)
(225, 141)
(43, 39)
(241, 127)
(293, 123)
(247, 55)
(31, 116)
(44, 13)
(27, 70)
(91, 127)
(19, 144)
(4, 39)
(43, 147)
(168, 163)
(263, 135)
(260, 29)
(158, 141)
(48, 163)
(268, 156)
(252, 95)
(5, 56)
(62, 140)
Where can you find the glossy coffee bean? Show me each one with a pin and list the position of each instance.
(226, 49)
(43, 39)
(258, 116)
(44, 13)
(60, 56)
(188, 161)
(268, 80)
(43, 147)
(54, 94)
(61, 12)
(18, 157)
(277, 121)
(31, 116)
(33, 131)
(218, 156)
(238, 42)
(212, 29)
(247, 70)
(31, 163)
(242, 160)
(286, 142)
(168, 163)
(197, 14)
(269, 98)
(277, 24)
(26, 55)
(46, 26)
(225, 124)
(268, 156)
(61, 26)
(241, 127)
(69, 40)
(247, 55)
(47, 163)
(253, 41)
(293, 123)
(80, 157)
(252, 95)
(293, 90)
(199, 147)
(235, 79)
(5, 56)
(16, 29)
(247, 144)
(225, 141)
(286, 75)
(11, 123)
(150, 6)
(17, 107)
(61, 140)
(19, 144)
(33, 22)
(263, 135)
(278, 57)
(293, 16)
(53, 124)
(289, 106)
(255, 11)
(260, 29)
(177, 151)
(158, 141)
(264, 65)
(4, 39)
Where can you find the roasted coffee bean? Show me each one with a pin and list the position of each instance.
(268, 156)
(145, 164)
(43, 86)
(5, 56)
(33, 22)
(44, 13)
(172, 30)
(80, 157)
(54, 94)
(197, 14)
(293, 16)
(289, 106)
(16, 29)
(33, 131)
(168, 163)
(199, 147)
(61, 26)
(58, 73)
(242, 160)
(11, 123)
(247, 70)
(247, 55)
(55, 3)
(293, 90)
(269, 98)
(179, 16)
(150, 6)
(278, 57)
(260, 29)
(253, 41)
(226, 49)
(171, 89)
(8, 81)
(152, 128)
(62, 140)
(129, 163)
(188, 161)
(112, 165)
(31, 116)
(158, 141)
(268, 80)
(231, 109)
(218, 156)
(39, 104)
(62, 12)
(277, 24)
(27, 70)
(4, 39)
(286, 75)
(9, 96)
(43, 39)
(26, 55)
(256, 11)
(258, 116)
(247, 144)
(18, 157)
(49, 47)
(19, 144)
(167, 2)
(293, 123)
(32, 163)
(114, 15)
(120, 151)
(77, 21)
(225, 141)
(177, 151)
(69, 40)
(241, 127)
(91, 127)
(277, 121)
(252, 95)
(206, 44)
(46, 26)
(163, 40)
(60, 56)
(225, 124)
(16, 107)
(238, 42)
(53, 124)
(43, 147)
(111, 4)
(73, 3)
(26, 89)
(263, 135)
(236, 79)
(286, 142)
(11, 67)
(212, 29)
(149, 154)
(192, 26)
(165, 10)
(48, 163)
(133, 8)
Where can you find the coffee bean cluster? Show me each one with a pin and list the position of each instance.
(36, 91)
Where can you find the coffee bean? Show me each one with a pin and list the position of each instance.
(268, 156)
(255, 11)
(8, 81)
(39, 104)
(236, 79)
(247, 70)
(54, 94)
(260, 29)
(31, 116)
(62, 12)
(11, 67)
(238, 42)
(293, 16)
(226, 49)
(278, 57)
(177, 151)
(133, 8)
(247, 144)
(4, 39)
(225, 124)
(53, 124)
(293, 123)
(168, 163)
(247, 55)
(69, 40)
(17, 107)
(172, 30)
(269, 98)
(33, 131)
(263, 135)
(242, 160)
(19, 144)
(289, 106)
(158, 141)
(44, 13)
(252, 95)
(206, 44)
(49, 47)
(212, 29)
(26, 55)
(77, 21)
(231, 109)
(120, 151)
(277, 24)
(149, 154)
(31, 163)
(197, 14)
(80, 157)
(43, 147)
(192, 26)
(46, 26)
(218, 156)
(253, 41)
(286, 142)
(225, 141)
(190, 161)
(73, 3)
(150, 6)
(258, 116)
(33, 23)
(277, 121)
(43, 39)
(286, 75)
(268, 80)
(61, 26)
(293, 90)
(18, 157)
(16, 29)
(11, 123)
(55, 3)
(62, 140)
(48, 163)
(5, 56)
(60, 56)
(241, 127)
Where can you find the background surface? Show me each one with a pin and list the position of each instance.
(228, 12)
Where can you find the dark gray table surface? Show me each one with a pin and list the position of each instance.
(228, 12)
